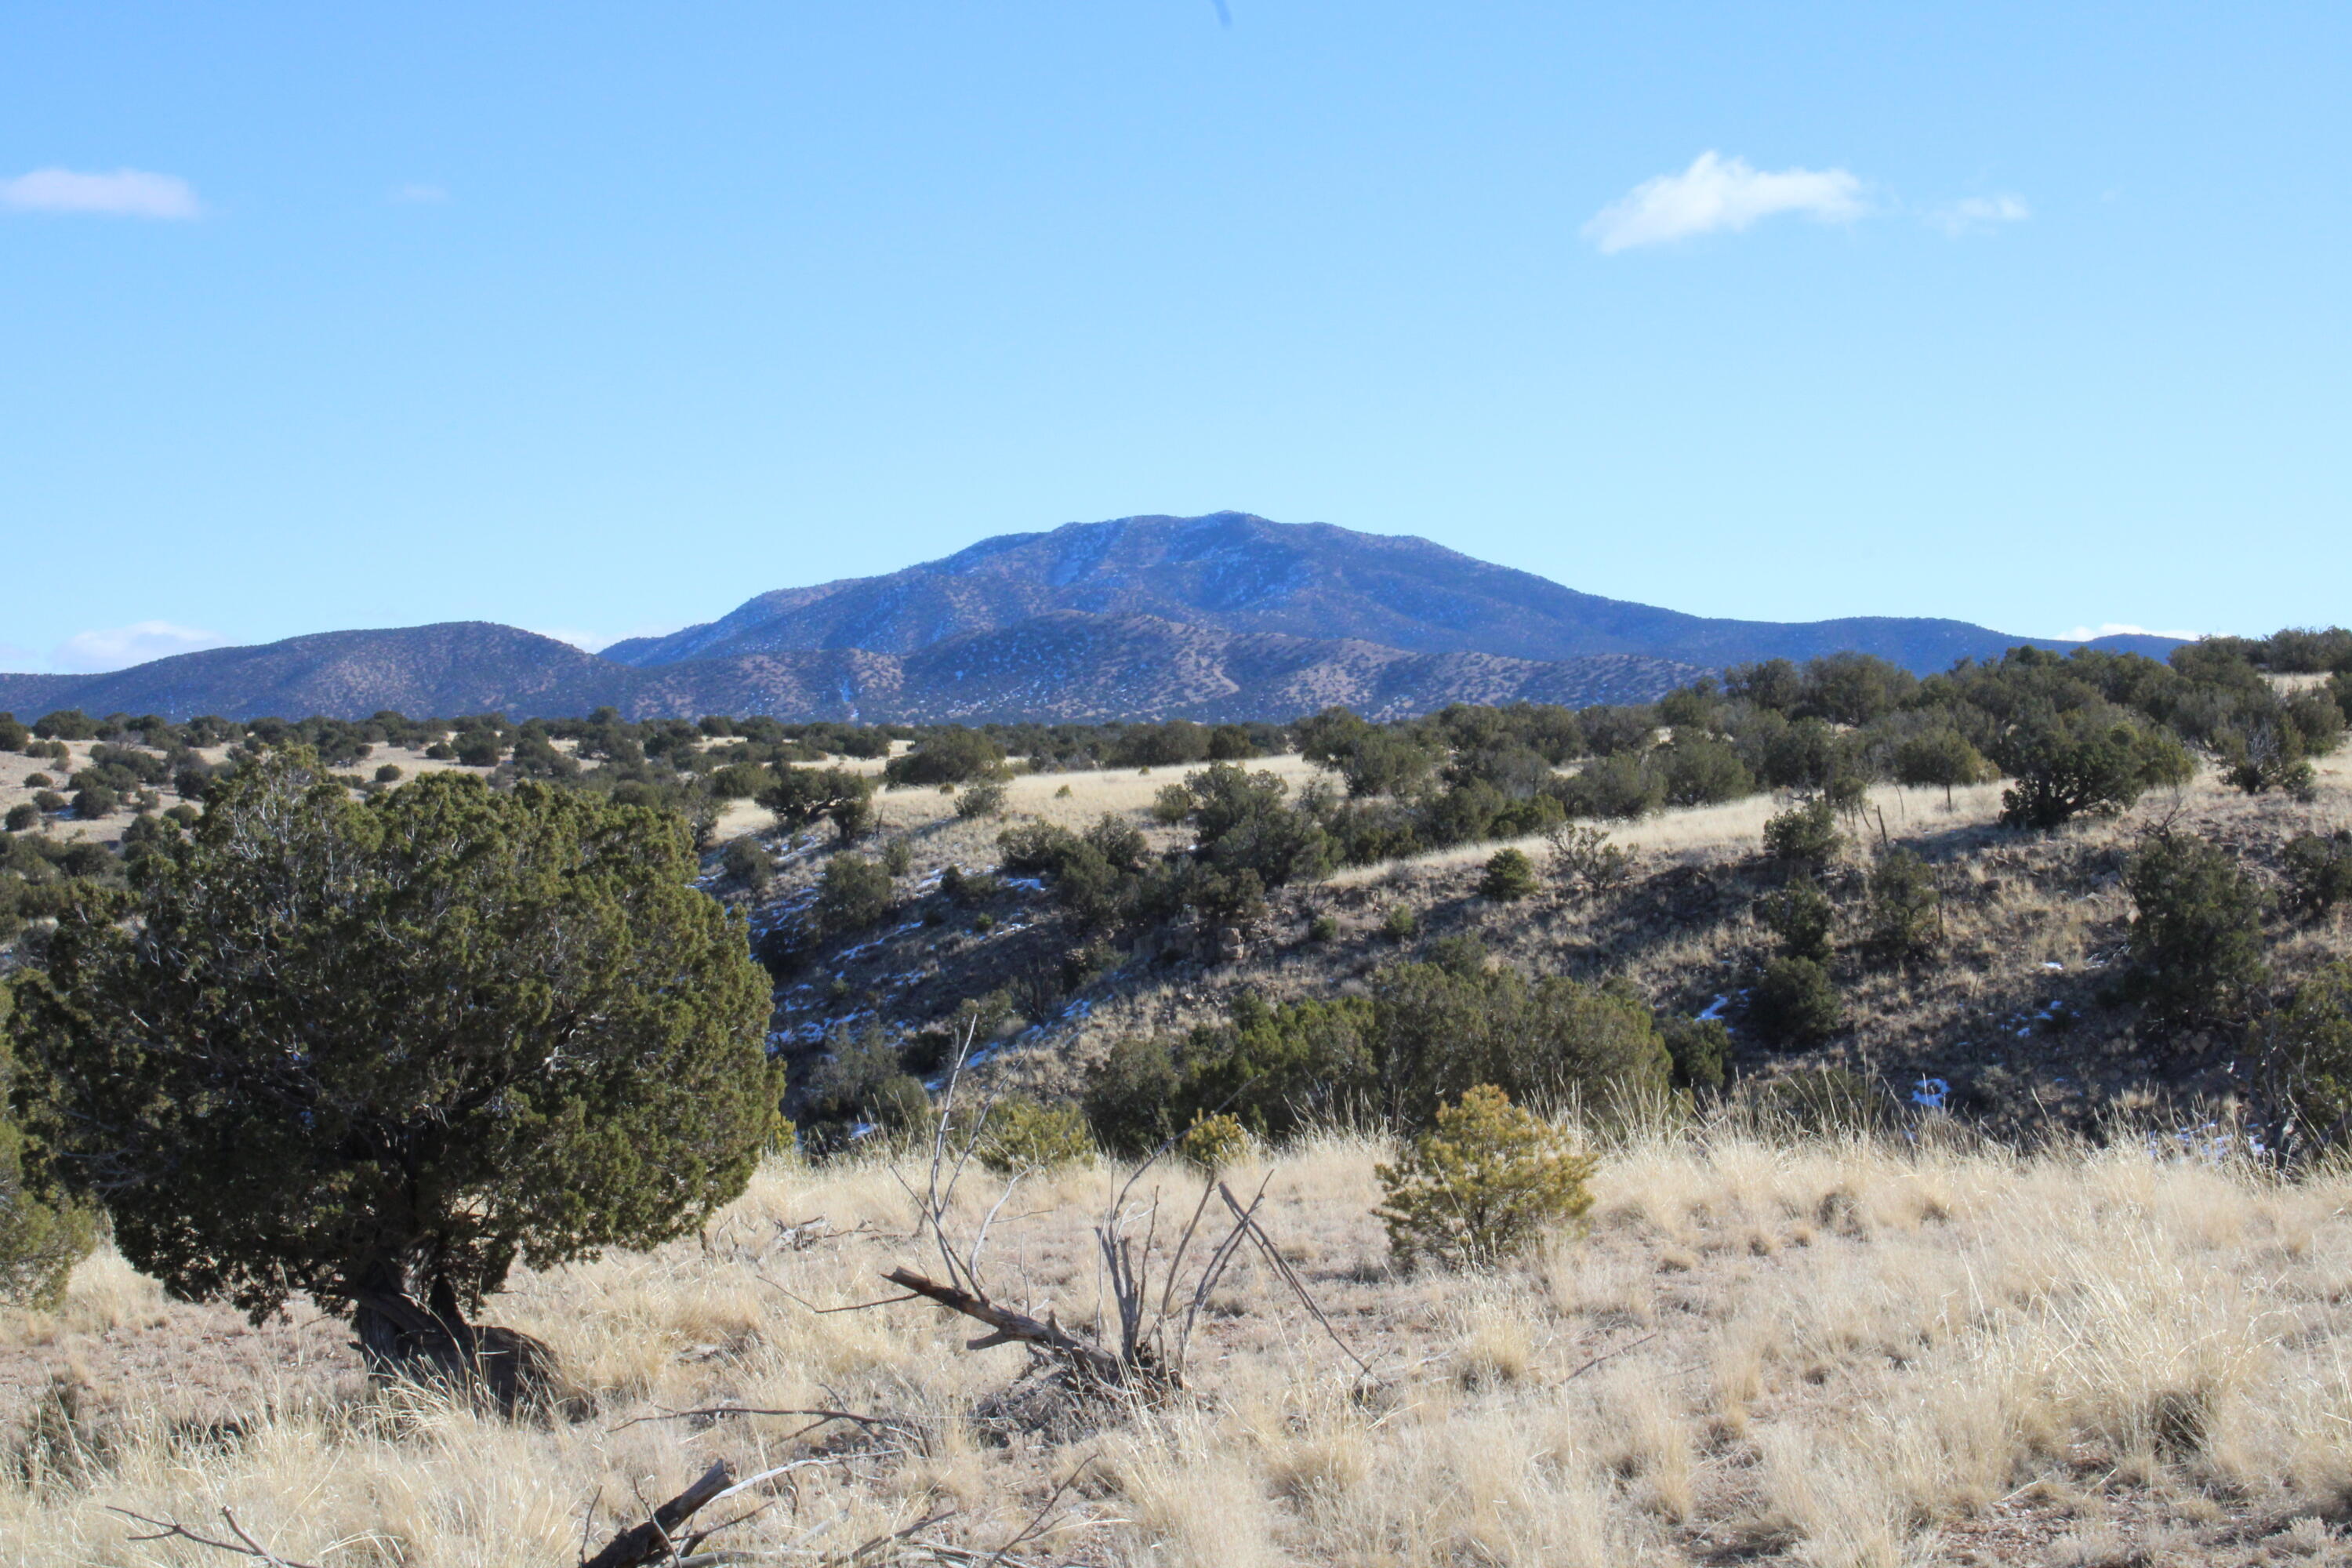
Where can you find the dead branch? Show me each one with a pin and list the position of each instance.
(820, 1415)
(172, 1529)
(645, 1542)
(1245, 1219)
(1010, 1327)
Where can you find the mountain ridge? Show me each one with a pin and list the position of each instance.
(1241, 573)
(1218, 617)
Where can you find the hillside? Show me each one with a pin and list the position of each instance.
(1241, 573)
(1061, 667)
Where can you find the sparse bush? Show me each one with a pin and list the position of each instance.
(2318, 871)
(1584, 861)
(898, 856)
(1941, 757)
(1129, 1094)
(1804, 837)
(1794, 1001)
(2308, 1052)
(1699, 770)
(852, 894)
(1622, 788)
(861, 1090)
(1907, 909)
(748, 864)
(1483, 1185)
(980, 798)
(1023, 1134)
(1213, 1143)
(1700, 1049)
(2196, 940)
(1172, 805)
(1802, 917)
(48, 802)
(479, 749)
(1508, 878)
(1322, 928)
(1439, 1029)
(1401, 924)
(2085, 761)
(949, 755)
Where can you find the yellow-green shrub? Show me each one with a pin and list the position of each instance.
(1484, 1184)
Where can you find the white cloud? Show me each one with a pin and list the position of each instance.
(126, 192)
(2119, 630)
(419, 192)
(586, 642)
(90, 653)
(1975, 215)
(1717, 193)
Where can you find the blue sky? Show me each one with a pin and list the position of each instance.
(599, 319)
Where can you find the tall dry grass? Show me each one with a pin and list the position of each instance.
(1770, 1349)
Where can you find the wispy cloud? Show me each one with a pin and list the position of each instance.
(1976, 214)
(419, 192)
(1719, 192)
(2120, 629)
(126, 192)
(586, 642)
(116, 647)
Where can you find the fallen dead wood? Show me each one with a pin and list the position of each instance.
(1010, 1327)
(655, 1538)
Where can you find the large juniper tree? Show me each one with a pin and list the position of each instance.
(379, 1052)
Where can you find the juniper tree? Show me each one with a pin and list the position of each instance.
(382, 1052)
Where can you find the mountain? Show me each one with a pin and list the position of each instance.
(1063, 665)
(1237, 572)
(1226, 617)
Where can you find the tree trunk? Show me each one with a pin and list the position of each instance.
(436, 1346)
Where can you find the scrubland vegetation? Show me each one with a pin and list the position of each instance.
(1822, 1117)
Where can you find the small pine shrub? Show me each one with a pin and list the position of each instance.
(1024, 1134)
(1401, 924)
(1700, 1049)
(1172, 805)
(2319, 873)
(1805, 837)
(1322, 928)
(2196, 939)
(1482, 1186)
(1510, 876)
(388, 774)
(1064, 792)
(898, 856)
(982, 798)
(1907, 911)
(1802, 917)
(1584, 861)
(1212, 1143)
(749, 864)
(42, 1233)
(1794, 1001)
(853, 893)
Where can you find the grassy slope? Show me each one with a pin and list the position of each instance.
(1821, 1354)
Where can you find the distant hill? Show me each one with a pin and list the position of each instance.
(1226, 616)
(1237, 572)
(1059, 666)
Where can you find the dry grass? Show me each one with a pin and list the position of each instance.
(1802, 1353)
